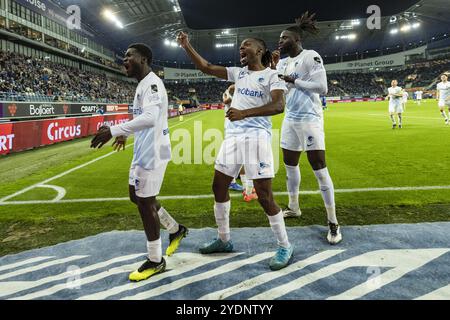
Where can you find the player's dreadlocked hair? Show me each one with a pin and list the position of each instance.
(266, 58)
(306, 23)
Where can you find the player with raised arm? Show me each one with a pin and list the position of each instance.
(395, 103)
(443, 97)
(152, 153)
(303, 127)
(259, 94)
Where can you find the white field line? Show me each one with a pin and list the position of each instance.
(75, 169)
(233, 195)
(407, 116)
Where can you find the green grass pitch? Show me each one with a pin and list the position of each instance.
(363, 152)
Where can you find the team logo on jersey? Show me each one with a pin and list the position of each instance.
(242, 74)
(310, 141)
(136, 183)
(317, 59)
(154, 88)
(261, 80)
(296, 64)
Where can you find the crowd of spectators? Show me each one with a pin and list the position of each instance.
(26, 79)
(422, 74)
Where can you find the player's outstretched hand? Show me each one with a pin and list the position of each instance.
(119, 143)
(235, 114)
(183, 39)
(103, 136)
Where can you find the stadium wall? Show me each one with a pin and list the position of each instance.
(26, 135)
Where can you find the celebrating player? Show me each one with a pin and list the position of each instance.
(259, 94)
(443, 96)
(395, 103)
(303, 128)
(152, 152)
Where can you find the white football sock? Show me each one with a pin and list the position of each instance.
(244, 181)
(167, 221)
(154, 249)
(444, 115)
(393, 119)
(399, 120)
(279, 229)
(234, 180)
(327, 190)
(222, 215)
(249, 187)
(293, 178)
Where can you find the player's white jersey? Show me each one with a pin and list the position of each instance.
(444, 91)
(252, 90)
(302, 105)
(392, 92)
(419, 95)
(405, 97)
(151, 144)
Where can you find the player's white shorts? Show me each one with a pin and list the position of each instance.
(395, 107)
(443, 104)
(302, 136)
(254, 152)
(147, 183)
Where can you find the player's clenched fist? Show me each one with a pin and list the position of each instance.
(276, 57)
(235, 114)
(183, 39)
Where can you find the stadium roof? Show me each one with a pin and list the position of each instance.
(156, 22)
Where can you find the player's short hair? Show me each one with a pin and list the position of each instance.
(445, 74)
(305, 23)
(144, 50)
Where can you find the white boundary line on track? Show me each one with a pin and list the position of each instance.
(45, 182)
(233, 195)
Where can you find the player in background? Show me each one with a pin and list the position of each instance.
(405, 99)
(323, 99)
(395, 97)
(443, 97)
(259, 95)
(419, 94)
(303, 127)
(180, 112)
(248, 190)
(152, 152)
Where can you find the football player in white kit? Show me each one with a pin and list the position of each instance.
(419, 94)
(443, 97)
(405, 99)
(152, 152)
(303, 127)
(395, 103)
(259, 94)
